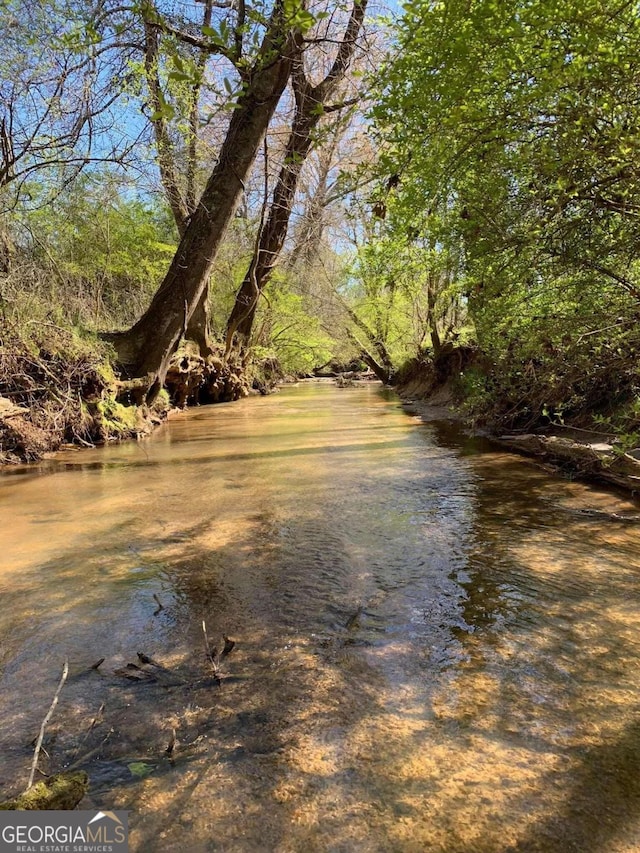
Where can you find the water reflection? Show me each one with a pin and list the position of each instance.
(436, 650)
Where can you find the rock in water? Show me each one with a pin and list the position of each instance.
(63, 791)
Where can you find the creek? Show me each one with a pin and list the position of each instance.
(437, 643)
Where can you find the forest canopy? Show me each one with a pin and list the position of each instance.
(512, 131)
(266, 189)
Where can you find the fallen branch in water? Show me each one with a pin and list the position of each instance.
(96, 720)
(151, 662)
(36, 754)
(88, 755)
(134, 673)
(171, 678)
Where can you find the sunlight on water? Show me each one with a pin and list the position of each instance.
(437, 647)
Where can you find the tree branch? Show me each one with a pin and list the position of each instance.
(36, 754)
(166, 159)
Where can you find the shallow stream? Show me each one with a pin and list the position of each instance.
(437, 644)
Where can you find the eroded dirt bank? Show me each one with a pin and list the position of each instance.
(59, 389)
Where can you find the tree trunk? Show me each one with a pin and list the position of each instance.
(309, 234)
(381, 363)
(274, 233)
(310, 107)
(145, 349)
(383, 369)
(383, 373)
(198, 326)
(432, 297)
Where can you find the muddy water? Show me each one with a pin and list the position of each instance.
(437, 645)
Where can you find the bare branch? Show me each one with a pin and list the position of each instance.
(209, 47)
(345, 51)
(36, 754)
(238, 34)
(166, 159)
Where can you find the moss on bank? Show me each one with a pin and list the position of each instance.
(63, 791)
(58, 386)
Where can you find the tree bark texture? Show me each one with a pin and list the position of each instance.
(310, 104)
(146, 348)
(274, 233)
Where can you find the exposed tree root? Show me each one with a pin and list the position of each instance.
(59, 389)
(192, 379)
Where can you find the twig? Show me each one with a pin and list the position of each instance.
(97, 719)
(580, 429)
(211, 655)
(206, 640)
(84, 758)
(36, 754)
(172, 743)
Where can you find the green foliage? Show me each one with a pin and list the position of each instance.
(404, 291)
(114, 250)
(512, 130)
(288, 332)
(297, 16)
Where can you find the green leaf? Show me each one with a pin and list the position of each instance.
(140, 769)
(216, 37)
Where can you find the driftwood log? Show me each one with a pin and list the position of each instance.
(597, 461)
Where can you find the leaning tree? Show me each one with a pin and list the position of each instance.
(144, 350)
(312, 104)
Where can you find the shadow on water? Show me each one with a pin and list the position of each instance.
(435, 651)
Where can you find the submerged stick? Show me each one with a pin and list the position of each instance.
(96, 720)
(84, 758)
(228, 646)
(36, 754)
(172, 743)
(211, 655)
(145, 659)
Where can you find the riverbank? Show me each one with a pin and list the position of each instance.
(62, 390)
(569, 451)
(455, 385)
(59, 386)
